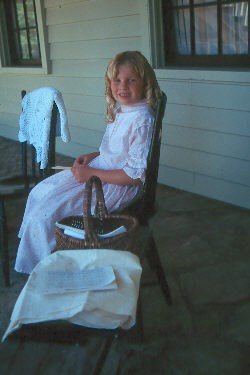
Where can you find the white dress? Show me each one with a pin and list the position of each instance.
(125, 145)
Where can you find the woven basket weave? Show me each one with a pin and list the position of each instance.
(101, 222)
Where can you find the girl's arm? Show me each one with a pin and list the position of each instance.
(86, 159)
(115, 176)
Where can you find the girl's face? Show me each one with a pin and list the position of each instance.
(127, 88)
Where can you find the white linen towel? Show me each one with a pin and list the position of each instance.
(104, 296)
(34, 122)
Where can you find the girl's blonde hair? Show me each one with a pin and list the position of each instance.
(141, 67)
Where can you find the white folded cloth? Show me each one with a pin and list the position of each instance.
(93, 288)
(35, 119)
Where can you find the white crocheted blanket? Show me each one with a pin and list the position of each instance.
(35, 120)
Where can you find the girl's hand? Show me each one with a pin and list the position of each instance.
(80, 169)
(85, 159)
(81, 172)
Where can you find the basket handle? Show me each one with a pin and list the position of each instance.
(100, 207)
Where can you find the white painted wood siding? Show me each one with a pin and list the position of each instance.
(206, 136)
(206, 132)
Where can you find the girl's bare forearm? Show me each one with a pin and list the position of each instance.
(116, 177)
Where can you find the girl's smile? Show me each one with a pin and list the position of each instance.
(127, 88)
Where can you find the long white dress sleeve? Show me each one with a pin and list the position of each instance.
(130, 132)
(124, 146)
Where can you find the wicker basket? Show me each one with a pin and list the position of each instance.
(100, 223)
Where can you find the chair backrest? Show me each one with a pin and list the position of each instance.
(36, 172)
(150, 185)
(143, 205)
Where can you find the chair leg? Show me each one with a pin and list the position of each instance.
(139, 317)
(4, 245)
(155, 261)
(103, 356)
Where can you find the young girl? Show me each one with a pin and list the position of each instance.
(131, 94)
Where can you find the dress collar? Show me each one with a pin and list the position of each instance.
(131, 108)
